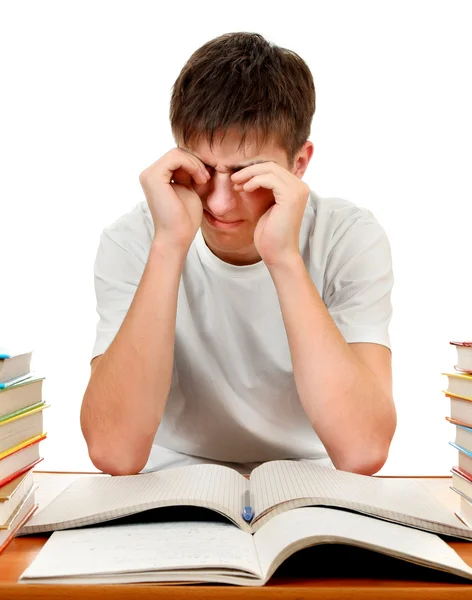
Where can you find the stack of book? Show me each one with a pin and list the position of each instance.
(21, 430)
(459, 392)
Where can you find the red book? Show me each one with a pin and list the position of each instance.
(464, 357)
(20, 472)
(11, 534)
(22, 456)
(463, 473)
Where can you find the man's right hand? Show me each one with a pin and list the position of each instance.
(175, 206)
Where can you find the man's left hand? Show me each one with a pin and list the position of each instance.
(277, 233)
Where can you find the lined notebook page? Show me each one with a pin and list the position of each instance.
(303, 527)
(53, 484)
(290, 484)
(91, 500)
(141, 548)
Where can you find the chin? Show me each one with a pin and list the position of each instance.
(226, 241)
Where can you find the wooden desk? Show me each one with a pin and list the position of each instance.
(329, 571)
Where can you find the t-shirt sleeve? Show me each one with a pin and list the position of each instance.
(360, 279)
(117, 273)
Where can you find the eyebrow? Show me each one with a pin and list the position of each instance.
(235, 168)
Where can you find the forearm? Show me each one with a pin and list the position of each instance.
(127, 392)
(351, 412)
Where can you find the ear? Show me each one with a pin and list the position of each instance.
(303, 159)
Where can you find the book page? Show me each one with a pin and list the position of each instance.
(148, 547)
(282, 485)
(93, 499)
(50, 485)
(291, 531)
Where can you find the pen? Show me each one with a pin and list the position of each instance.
(248, 511)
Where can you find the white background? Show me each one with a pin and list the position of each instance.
(85, 90)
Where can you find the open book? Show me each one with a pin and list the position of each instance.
(219, 552)
(275, 487)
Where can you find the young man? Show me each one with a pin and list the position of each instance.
(242, 317)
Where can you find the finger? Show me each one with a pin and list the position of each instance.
(182, 177)
(266, 181)
(179, 163)
(253, 170)
(196, 161)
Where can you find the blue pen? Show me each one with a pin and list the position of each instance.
(248, 511)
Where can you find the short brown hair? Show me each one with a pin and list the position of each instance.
(240, 79)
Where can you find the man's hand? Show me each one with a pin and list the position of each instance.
(276, 236)
(175, 206)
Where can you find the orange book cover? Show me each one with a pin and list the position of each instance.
(456, 422)
(448, 395)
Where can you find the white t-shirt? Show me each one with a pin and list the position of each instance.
(233, 398)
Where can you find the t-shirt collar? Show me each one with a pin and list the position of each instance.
(210, 259)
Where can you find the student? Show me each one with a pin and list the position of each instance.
(243, 318)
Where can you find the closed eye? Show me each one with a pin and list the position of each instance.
(211, 170)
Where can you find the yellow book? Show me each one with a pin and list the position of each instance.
(22, 445)
(19, 459)
(459, 385)
(19, 415)
(19, 428)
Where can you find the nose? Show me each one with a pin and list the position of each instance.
(221, 198)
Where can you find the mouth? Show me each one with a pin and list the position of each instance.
(220, 224)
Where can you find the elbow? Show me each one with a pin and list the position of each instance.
(363, 465)
(113, 457)
(107, 449)
(111, 467)
(114, 464)
(369, 458)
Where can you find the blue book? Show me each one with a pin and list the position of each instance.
(464, 427)
(461, 449)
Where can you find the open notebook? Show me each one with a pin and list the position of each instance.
(275, 487)
(218, 552)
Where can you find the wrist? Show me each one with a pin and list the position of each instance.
(170, 250)
(286, 263)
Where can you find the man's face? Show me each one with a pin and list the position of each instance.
(230, 217)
